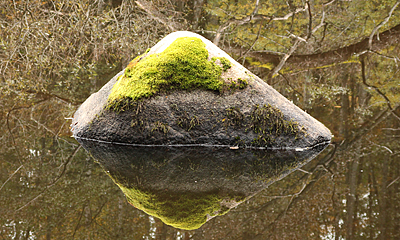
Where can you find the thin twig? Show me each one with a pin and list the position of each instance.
(289, 84)
(11, 177)
(295, 45)
(147, 6)
(254, 43)
(371, 37)
(364, 79)
(79, 221)
(371, 124)
(393, 182)
(395, 59)
(255, 17)
(9, 128)
(55, 181)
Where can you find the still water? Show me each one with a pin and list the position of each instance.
(53, 187)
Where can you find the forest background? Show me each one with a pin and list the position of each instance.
(338, 60)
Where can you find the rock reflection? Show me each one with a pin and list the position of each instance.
(187, 186)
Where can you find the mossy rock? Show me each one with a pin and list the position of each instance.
(183, 65)
(181, 92)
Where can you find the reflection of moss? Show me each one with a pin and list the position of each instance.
(161, 181)
(268, 122)
(181, 210)
(254, 62)
(224, 210)
(185, 210)
(182, 65)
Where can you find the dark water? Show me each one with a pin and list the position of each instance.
(52, 188)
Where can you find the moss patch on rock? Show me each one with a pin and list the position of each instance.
(183, 65)
(184, 210)
(268, 123)
(239, 84)
(224, 62)
(188, 122)
(234, 117)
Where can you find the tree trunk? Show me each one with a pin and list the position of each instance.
(383, 200)
(351, 196)
(197, 7)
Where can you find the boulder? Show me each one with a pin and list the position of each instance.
(185, 91)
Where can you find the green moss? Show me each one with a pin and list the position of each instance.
(181, 66)
(268, 122)
(186, 122)
(234, 116)
(160, 127)
(181, 210)
(242, 83)
(226, 64)
(239, 84)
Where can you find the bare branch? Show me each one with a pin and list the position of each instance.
(156, 15)
(364, 78)
(297, 37)
(258, 36)
(381, 146)
(55, 181)
(8, 179)
(255, 11)
(393, 182)
(338, 55)
(285, 58)
(371, 37)
(329, 3)
(367, 127)
(287, 16)
(309, 30)
(297, 42)
(255, 17)
(289, 84)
